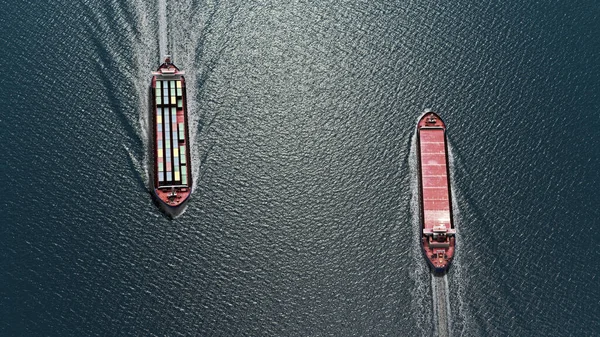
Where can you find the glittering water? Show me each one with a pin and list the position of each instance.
(303, 216)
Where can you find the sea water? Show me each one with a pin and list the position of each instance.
(302, 220)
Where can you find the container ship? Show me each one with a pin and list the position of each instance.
(438, 232)
(171, 178)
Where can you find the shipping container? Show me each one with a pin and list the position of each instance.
(182, 156)
(181, 132)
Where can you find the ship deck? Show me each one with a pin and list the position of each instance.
(435, 189)
(171, 143)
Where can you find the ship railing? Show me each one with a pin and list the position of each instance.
(164, 187)
(431, 231)
(168, 73)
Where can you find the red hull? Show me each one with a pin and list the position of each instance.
(437, 228)
(172, 179)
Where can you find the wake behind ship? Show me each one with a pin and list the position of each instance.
(172, 179)
(437, 235)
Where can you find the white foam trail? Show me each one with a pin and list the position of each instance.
(441, 305)
(162, 28)
(449, 313)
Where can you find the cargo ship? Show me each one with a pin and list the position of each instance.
(437, 226)
(171, 178)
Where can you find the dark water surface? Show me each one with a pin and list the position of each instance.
(303, 218)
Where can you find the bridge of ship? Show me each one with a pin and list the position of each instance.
(170, 132)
